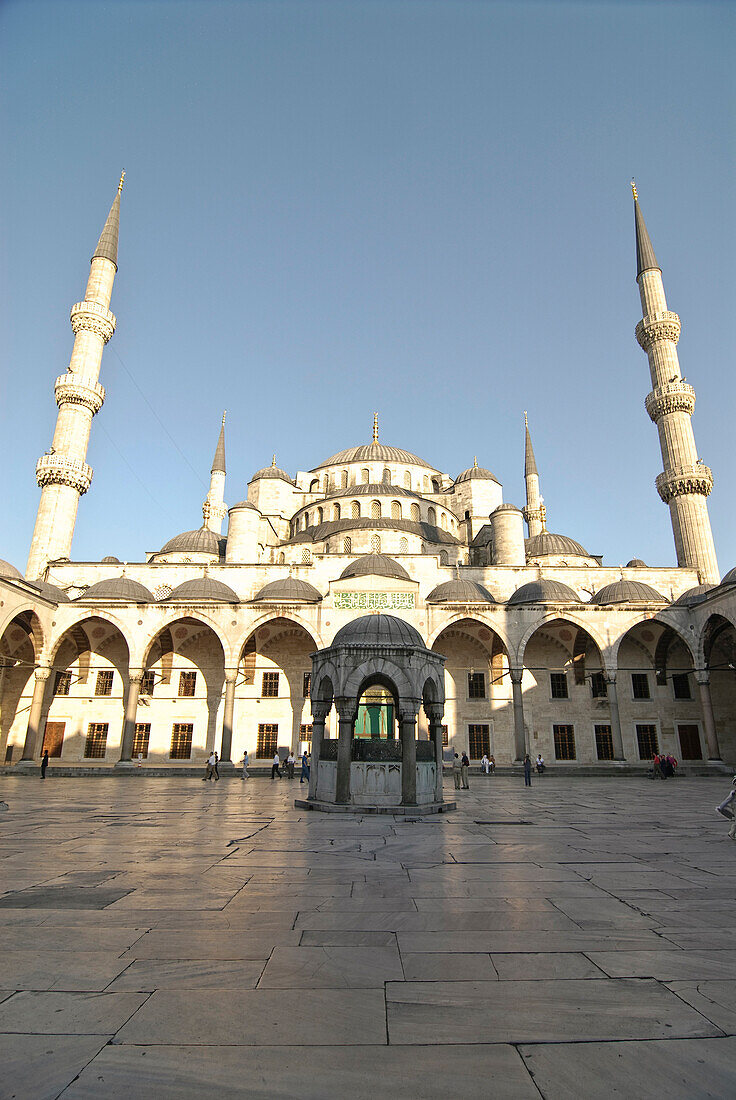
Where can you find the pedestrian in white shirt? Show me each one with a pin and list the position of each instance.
(275, 771)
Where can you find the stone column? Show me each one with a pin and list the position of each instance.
(435, 735)
(344, 746)
(408, 721)
(616, 735)
(135, 676)
(226, 746)
(516, 675)
(319, 717)
(30, 748)
(709, 722)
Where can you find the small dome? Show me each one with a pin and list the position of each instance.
(243, 504)
(202, 541)
(625, 591)
(51, 592)
(730, 577)
(9, 571)
(694, 595)
(376, 565)
(289, 589)
(110, 560)
(273, 471)
(203, 588)
(544, 591)
(377, 630)
(505, 508)
(636, 563)
(476, 472)
(547, 543)
(460, 591)
(118, 588)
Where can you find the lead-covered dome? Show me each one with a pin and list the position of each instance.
(9, 572)
(730, 577)
(118, 588)
(272, 471)
(290, 590)
(460, 591)
(548, 544)
(544, 590)
(376, 565)
(203, 588)
(626, 591)
(636, 563)
(110, 560)
(694, 595)
(374, 452)
(201, 541)
(474, 472)
(377, 630)
(50, 591)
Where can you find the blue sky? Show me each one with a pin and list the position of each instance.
(333, 208)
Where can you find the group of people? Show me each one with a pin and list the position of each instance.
(288, 764)
(488, 764)
(460, 770)
(664, 767)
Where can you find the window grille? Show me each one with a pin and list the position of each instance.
(646, 736)
(140, 739)
(355, 509)
(365, 476)
(479, 741)
(386, 477)
(599, 689)
(415, 513)
(604, 742)
(558, 685)
(375, 544)
(476, 686)
(344, 479)
(375, 509)
(306, 557)
(407, 480)
(181, 740)
(307, 685)
(148, 682)
(431, 516)
(270, 685)
(445, 736)
(96, 743)
(53, 738)
(187, 684)
(336, 512)
(640, 685)
(443, 557)
(62, 683)
(395, 510)
(347, 545)
(305, 734)
(564, 742)
(268, 736)
(404, 546)
(681, 686)
(103, 685)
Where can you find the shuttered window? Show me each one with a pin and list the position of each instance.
(181, 740)
(268, 737)
(564, 737)
(96, 743)
(103, 686)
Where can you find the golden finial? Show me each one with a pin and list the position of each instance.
(633, 191)
(475, 462)
(543, 516)
(273, 461)
(122, 181)
(223, 417)
(526, 422)
(375, 427)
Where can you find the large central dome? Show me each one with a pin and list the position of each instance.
(374, 452)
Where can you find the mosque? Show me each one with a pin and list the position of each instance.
(207, 642)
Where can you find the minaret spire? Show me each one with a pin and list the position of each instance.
(375, 427)
(62, 472)
(533, 512)
(685, 481)
(214, 509)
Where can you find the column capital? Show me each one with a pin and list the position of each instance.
(609, 677)
(435, 713)
(516, 674)
(42, 672)
(320, 710)
(409, 709)
(135, 675)
(702, 675)
(231, 675)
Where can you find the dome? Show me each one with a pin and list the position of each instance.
(376, 630)
(110, 560)
(505, 508)
(202, 541)
(242, 504)
(730, 577)
(273, 471)
(625, 591)
(375, 565)
(9, 572)
(203, 588)
(547, 543)
(51, 592)
(694, 595)
(476, 472)
(460, 591)
(290, 589)
(636, 563)
(118, 588)
(374, 452)
(544, 591)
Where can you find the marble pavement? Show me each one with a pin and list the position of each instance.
(163, 938)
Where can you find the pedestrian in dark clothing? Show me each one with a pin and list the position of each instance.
(305, 767)
(527, 771)
(215, 768)
(464, 765)
(44, 763)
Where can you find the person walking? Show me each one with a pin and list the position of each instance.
(215, 769)
(464, 765)
(305, 767)
(44, 763)
(245, 765)
(290, 762)
(275, 770)
(210, 768)
(527, 771)
(456, 771)
(726, 809)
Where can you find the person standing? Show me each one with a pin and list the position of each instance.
(275, 770)
(726, 809)
(527, 771)
(215, 769)
(485, 764)
(456, 771)
(464, 766)
(290, 762)
(245, 765)
(44, 763)
(305, 767)
(492, 764)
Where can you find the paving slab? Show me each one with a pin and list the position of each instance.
(666, 965)
(716, 1000)
(331, 968)
(448, 967)
(536, 966)
(147, 975)
(67, 1013)
(39, 1068)
(68, 970)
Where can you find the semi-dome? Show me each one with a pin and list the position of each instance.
(694, 595)
(110, 560)
(474, 472)
(544, 590)
(636, 563)
(626, 591)
(375, 565)
(9, 571)
(730, 577)
(201, 541)
(377, 630)
(272, 471)
(547, 544)
(289, 589)
(374, 452)
(118, 588)
(460, 591)
(51, 592)
(203, 588)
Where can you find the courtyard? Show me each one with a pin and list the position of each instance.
(169, 938)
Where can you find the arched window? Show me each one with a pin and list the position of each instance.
(386, 476)
(415, 514)
(327, 548)
(314, 485)
(336, 512)
(443, 557)
(425, 483)
(404, 546)
(306, 520)
(431, 516)
(435, 485)
(407, 479)
(375, 544)
(326, 483)
(395, 510)
(344, 479)
(375, 509)
(319, 515)
(282, 559)
(443, 521)
(306, 557)
(347, 545)
(365, 476)
(355, 509)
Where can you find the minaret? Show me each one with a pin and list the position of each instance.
(62, 472)
(213, 509)
(685, 481)
(532, 512)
